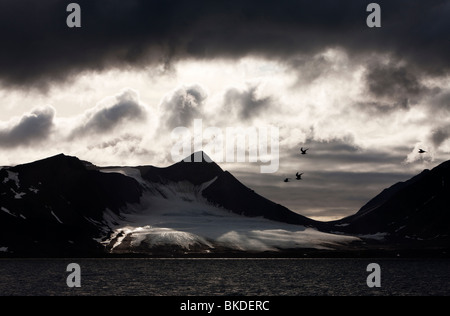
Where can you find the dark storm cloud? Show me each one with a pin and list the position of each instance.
(104, 119)
(38, 49)
(183, 106)
(441, 101)
(395, 83)
(32, 128)
(246, 102)
(386, 80)
(439, 135)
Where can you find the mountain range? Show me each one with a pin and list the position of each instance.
(63, 206)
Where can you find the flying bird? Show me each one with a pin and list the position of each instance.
(299, 176)
(421, 151)
(303, 150)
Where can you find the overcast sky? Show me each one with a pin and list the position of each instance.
(364, 100)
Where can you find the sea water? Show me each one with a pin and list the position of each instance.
(230, 277)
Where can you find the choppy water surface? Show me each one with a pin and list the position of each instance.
(201, 277)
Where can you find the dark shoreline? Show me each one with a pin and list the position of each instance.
(294, 254)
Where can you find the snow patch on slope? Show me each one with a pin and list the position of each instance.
(56, 217)
(12, 176)
(4, 209)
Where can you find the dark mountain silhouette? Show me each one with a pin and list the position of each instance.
(197, 169)
(58, 204)
(62, 206)
(414, 210)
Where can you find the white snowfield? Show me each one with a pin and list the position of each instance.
(186, 219)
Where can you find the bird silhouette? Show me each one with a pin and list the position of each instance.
(303, 150)
(421, 151)
(298, 176)
(286, 180)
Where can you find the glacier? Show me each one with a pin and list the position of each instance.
(176, 214)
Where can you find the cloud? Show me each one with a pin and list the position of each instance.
(437, 138)
(248, 102)
(440, 101)
(124, 107)
(39, 50)
(440, 135)
(127, 149)
(434, 141)
(32, 128)
(396, 83)
(181, 107)
(310, 68)
(340, 154)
